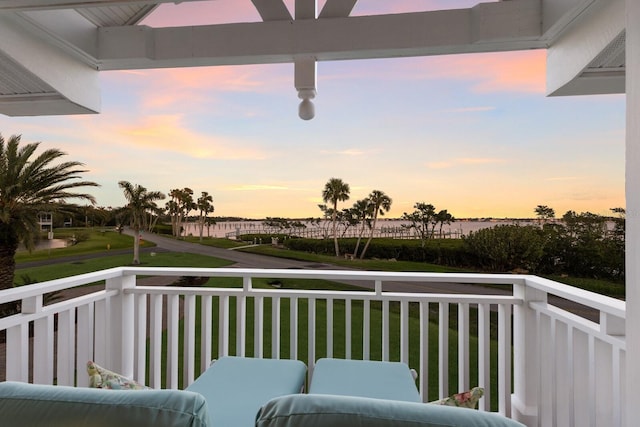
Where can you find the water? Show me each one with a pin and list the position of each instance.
(384, 228)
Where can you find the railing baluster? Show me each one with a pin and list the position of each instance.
(223, 326)
(17, 359)
(155, 364)
(293, 328)
(102, 329)
(347, 328)
(189, 355)
(484, 354)
(241, 325)
(504, 359)
(258, 327)
(311, 334)
(43, 349)
(141, 339)
(569, 362)
(366, 327)
(463, 347)
(329, 327)
(275, 327)
(172, 340)
(206, 331)
(84, 347)
(404, 331)
(424, 351)
(591, 391)
(66, 347)
(443, 349)
(385, 330)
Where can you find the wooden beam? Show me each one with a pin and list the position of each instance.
(502, 26)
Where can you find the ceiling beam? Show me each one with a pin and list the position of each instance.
(502, 26)
(45, 80)
(570, 57)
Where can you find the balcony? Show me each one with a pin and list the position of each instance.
(546, 353)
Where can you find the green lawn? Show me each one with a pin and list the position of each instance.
(99, 241)
(161, 259)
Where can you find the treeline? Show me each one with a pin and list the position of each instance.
(580, 245)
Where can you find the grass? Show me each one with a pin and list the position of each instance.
(161, 259)
(99, 241)
(364, 264)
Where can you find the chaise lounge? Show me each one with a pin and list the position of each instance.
(233, 390)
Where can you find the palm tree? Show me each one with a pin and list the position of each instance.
(28, 186)
(361, 210)
(205, 206)
(380, 203)
(335, 190)
(140, 201)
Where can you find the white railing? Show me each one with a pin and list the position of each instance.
(566, 370)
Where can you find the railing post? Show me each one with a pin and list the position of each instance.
(526, 374)
(122, 321)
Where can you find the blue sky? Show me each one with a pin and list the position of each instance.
(473, 134)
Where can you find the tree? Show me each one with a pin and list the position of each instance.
(544, 213)
(30, 184)
(361, 210)
(335, 190)
(443, 217)
(422, 216)
(139, 202)
(205, 206)
(380, 203)
(179, 206)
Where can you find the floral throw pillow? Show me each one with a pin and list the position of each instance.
(467, 399)
(100, 377)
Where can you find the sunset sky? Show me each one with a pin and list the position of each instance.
(473, 134)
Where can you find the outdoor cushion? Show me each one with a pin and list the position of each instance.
(236, 387)
(364, 378)
(317, 410)
(32, 405)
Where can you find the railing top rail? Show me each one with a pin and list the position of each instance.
(320, 294)
(41, 288)
(600, 302)
(471, 278)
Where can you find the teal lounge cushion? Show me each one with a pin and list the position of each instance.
(319, 410)
(31, 405)
(364, 378)
(236, 387)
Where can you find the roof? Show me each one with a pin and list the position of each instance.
(51, 51)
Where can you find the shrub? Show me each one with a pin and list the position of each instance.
(506, 247)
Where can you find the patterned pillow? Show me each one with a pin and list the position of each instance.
(100, 377)
(467, 399)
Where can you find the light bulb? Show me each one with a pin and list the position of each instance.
(306, 110)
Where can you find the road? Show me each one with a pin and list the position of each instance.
(249, 260)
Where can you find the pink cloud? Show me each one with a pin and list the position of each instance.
(168, 133)
(522, 71)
